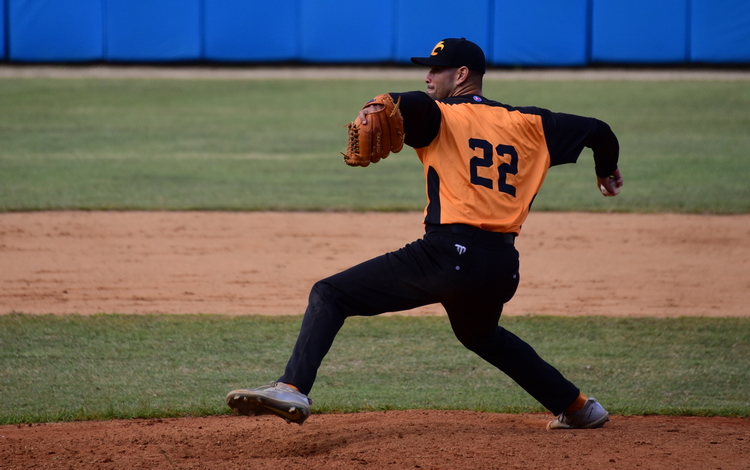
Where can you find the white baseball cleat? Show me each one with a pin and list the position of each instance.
(276, 399)
(592, 415)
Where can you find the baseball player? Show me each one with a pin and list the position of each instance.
(484, 162)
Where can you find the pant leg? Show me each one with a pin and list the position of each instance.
(397, 281)
(474, 309)
(520, 362)
(472, 285)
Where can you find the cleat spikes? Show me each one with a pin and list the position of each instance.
(275, 399)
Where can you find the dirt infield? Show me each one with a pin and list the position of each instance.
(664, 265)
(264, 263)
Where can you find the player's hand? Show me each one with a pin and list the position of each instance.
(610, 186)
(369, 109)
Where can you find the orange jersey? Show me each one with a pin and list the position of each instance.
(484, 162)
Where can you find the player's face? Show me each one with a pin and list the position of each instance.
(441, 81)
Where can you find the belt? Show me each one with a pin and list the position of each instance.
(482, 236)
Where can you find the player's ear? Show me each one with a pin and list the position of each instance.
(462, 74)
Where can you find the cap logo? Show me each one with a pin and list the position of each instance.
(439, 47)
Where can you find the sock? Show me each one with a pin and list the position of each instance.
(295, 388)
(577, 404)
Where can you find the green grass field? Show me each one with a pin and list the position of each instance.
(274, 144)
(164, 144)
(126, 366)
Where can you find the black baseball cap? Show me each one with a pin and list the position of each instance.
(454, 52)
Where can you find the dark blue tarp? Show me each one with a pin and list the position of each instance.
(146, 30)
(339, 31)
(54, 30)
(251, 31)
(720, 31)
(421, 25)
(639, 31)
(541, 33)
(2, 29)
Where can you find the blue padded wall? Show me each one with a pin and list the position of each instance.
(2, 29)
(639, 31)
(251, 31)
(541, 33)
(720, 31)
(336, 31)
(145, 30)
(421, 25)
(54, 30)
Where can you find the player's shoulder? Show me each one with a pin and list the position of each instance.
(471, 99)
(479, 100)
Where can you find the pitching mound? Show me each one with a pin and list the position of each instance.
(385, 440)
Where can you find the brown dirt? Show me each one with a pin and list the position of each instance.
(416, 439)
(264, 263)
(664, 265)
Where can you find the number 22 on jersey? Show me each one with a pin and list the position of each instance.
(488, 151)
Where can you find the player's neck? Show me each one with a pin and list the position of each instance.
(467, 89)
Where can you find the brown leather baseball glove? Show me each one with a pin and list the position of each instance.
(381, 134)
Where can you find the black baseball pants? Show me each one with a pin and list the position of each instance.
(471, 272)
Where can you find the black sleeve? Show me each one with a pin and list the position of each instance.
(422, 117)
(568, 134)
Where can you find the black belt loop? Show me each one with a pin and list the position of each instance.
(474, 232)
